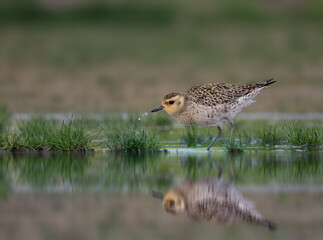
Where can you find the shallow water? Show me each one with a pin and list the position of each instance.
(108, 195)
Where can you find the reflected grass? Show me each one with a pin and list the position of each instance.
(277, 169)
(157, 12)
(4, 186)
(145, 171)
(45, 169)
(137, 171)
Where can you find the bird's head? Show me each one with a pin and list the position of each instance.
(172, 103)
(174, 203)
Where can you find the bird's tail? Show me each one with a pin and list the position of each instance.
(268, 82)
(270, 225)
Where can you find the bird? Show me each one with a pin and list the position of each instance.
(211, 105)
(211, 200)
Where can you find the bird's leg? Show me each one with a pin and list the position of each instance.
(232, 171)
(232, 129)
(214, 139)
(220, 172)
(215, 165)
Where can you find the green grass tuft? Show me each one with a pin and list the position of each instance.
(2, 139)
(136, 141)
(35, 132)
(31, 134)
(39, 134)
(71, 136)
(270, 135)
(13, 142)
(306, 137)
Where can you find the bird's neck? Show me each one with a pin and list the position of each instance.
(182, 115)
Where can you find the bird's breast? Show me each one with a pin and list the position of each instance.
(202, 115)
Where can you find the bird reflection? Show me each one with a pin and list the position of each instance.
(211, 200)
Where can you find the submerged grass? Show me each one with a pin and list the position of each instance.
(238, 146)
(192, 136)
(136, 141)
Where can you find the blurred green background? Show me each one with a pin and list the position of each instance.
(98, 56)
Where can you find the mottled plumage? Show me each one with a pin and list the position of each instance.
(211, 105)
(220, 93)
(212, 200)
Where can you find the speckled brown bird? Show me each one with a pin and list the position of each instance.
(211, 200)
(211, 105)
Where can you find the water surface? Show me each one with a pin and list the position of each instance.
(108, 195)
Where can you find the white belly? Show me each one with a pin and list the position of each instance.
(210, 123)
(209, 117)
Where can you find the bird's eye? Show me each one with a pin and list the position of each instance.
(171, 102)
(171, 203)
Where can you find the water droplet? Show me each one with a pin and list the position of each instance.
(139, 119)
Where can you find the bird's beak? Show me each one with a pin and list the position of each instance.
(158, 108)
(158, 195)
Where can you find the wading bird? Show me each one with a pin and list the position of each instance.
(211, 200)
(211, 105)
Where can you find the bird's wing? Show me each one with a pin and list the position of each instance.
(219, 93)
(212, 199)
(220, 212)
(226, 212)
(207, 200)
